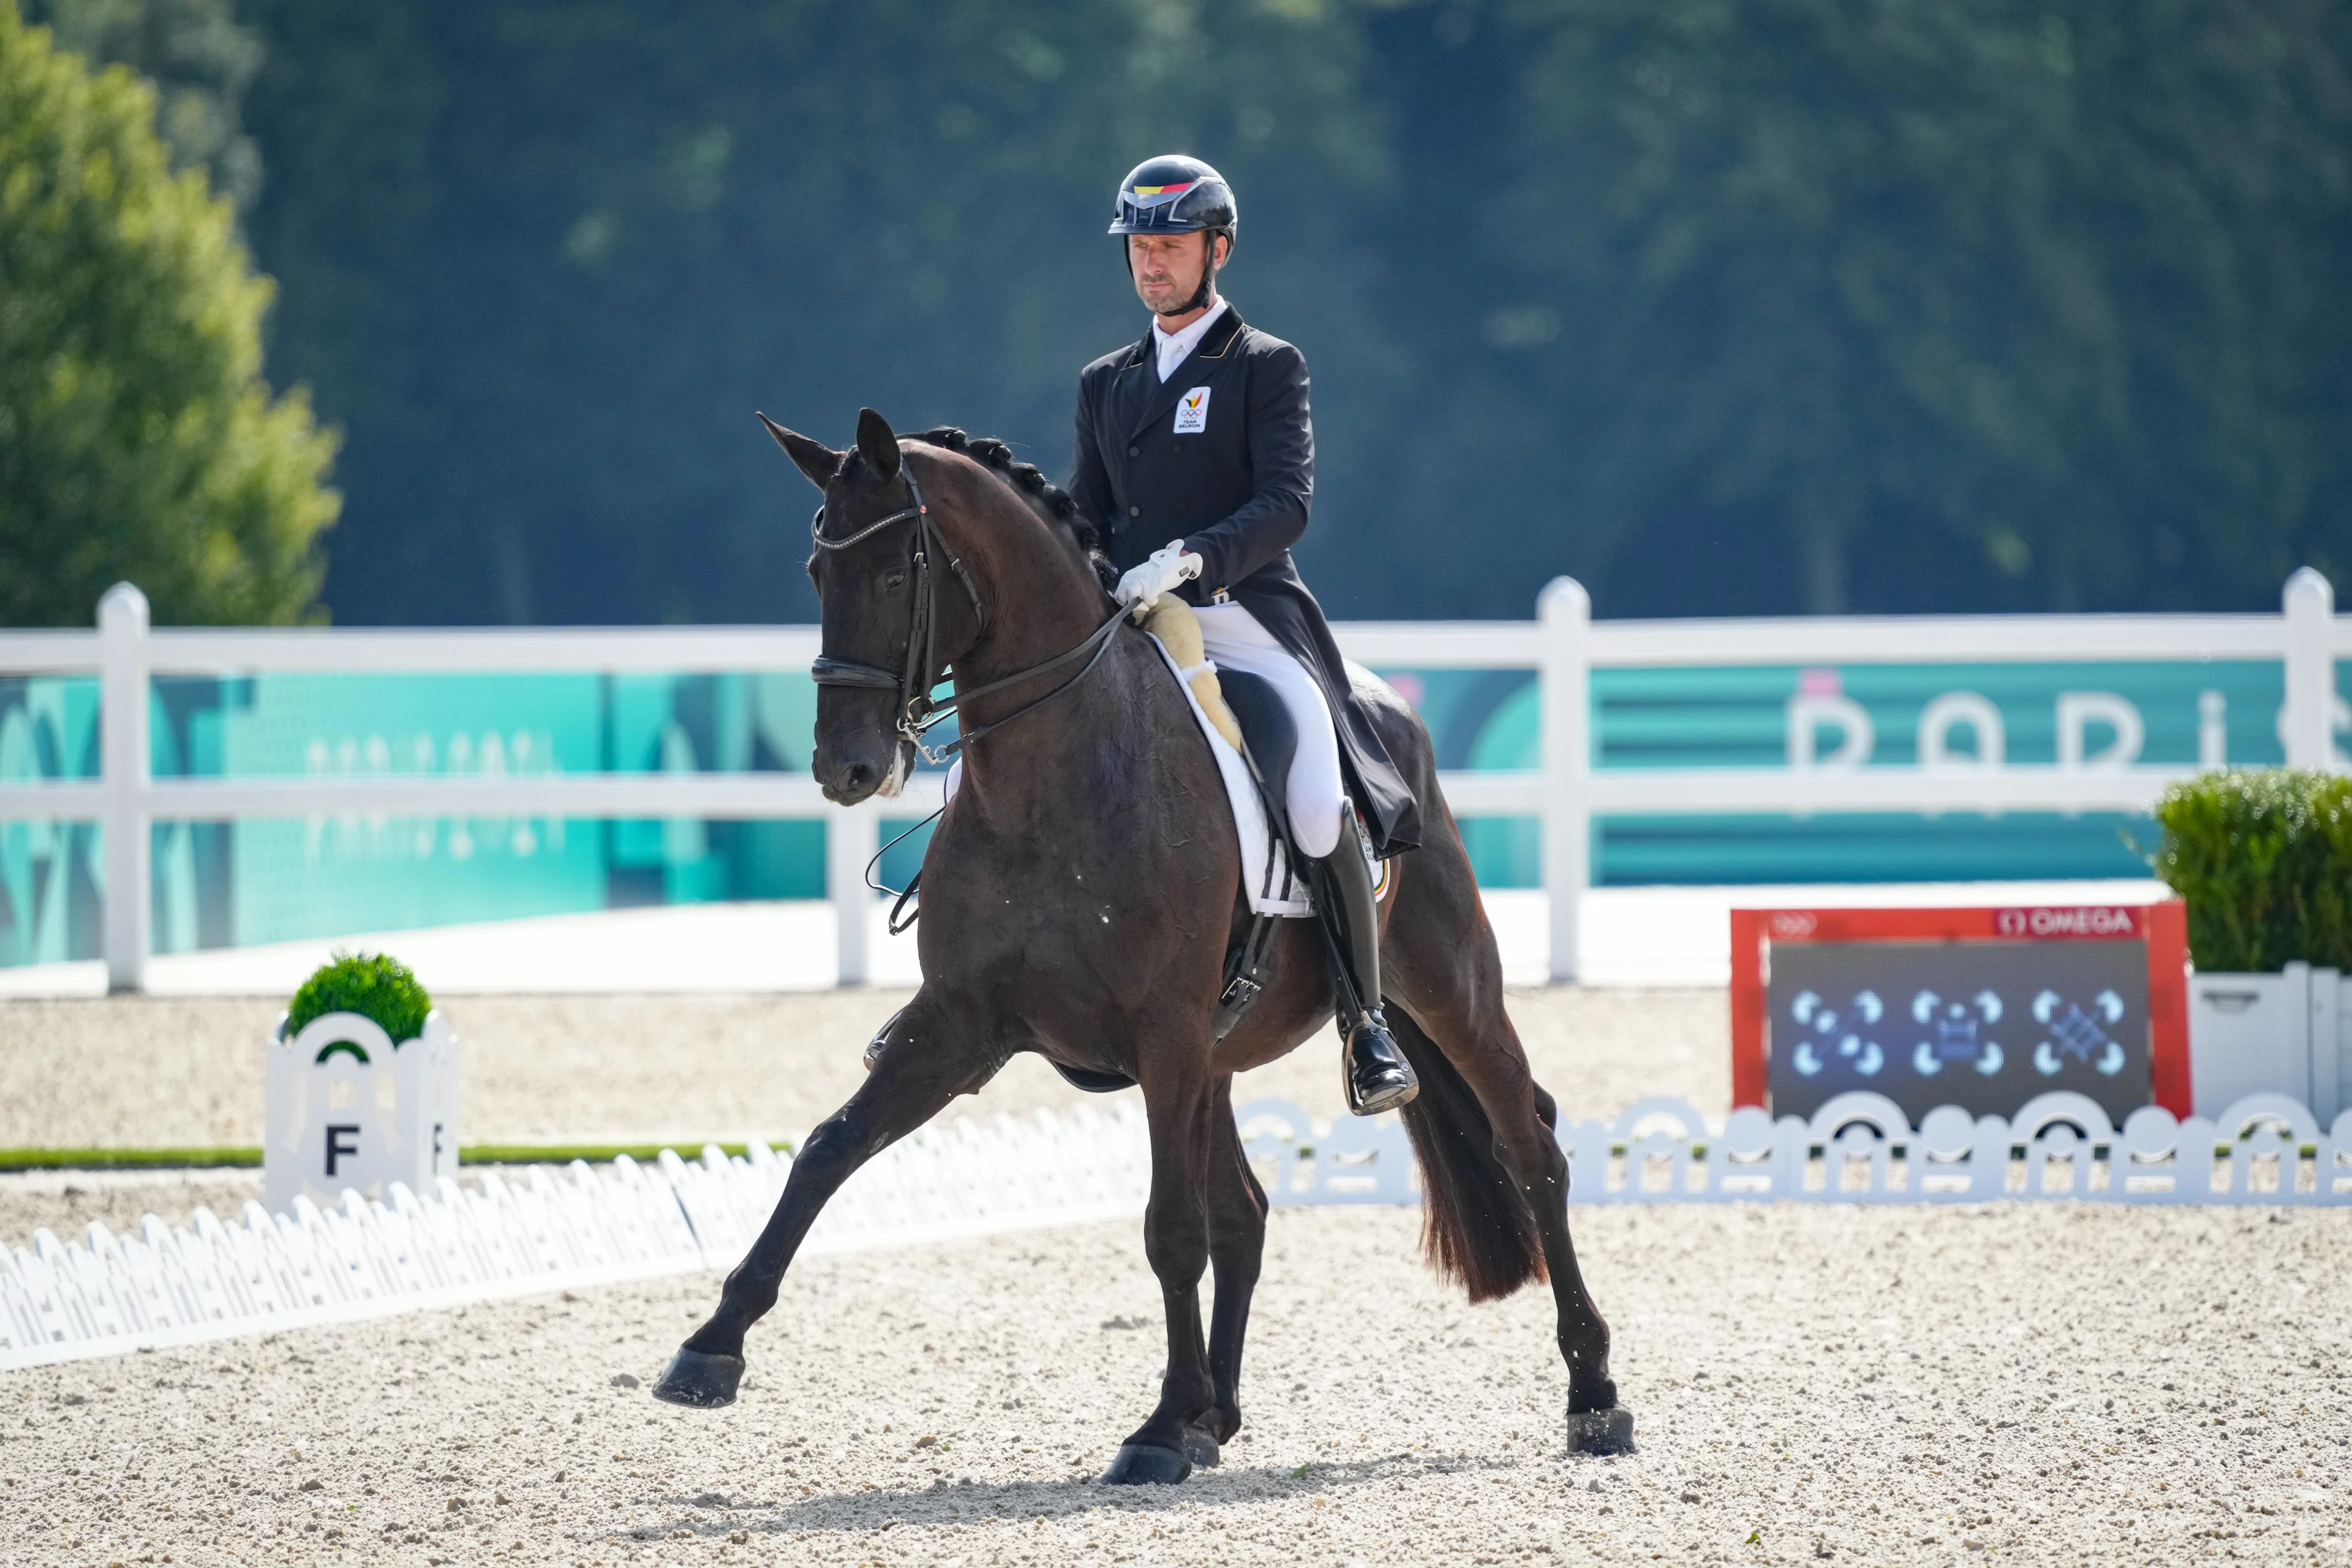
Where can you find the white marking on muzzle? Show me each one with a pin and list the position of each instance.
(902, 762)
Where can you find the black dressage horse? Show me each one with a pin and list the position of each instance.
(1079, 899)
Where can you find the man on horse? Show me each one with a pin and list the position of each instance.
(1196, 463)
(1094, 936)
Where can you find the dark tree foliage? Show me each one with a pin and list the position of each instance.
(1724, 305)
(1889, 305)
(544, 257)
(200, 60)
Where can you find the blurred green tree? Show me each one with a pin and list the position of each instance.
(1726, 306)
(1876, 304)
(137, 437)
(544, 258)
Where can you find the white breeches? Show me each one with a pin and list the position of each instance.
(1235, 640)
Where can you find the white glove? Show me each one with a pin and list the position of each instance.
(1141, 589)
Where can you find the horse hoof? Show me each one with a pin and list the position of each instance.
(1607, 1431)
(1147, 1465)
(704, 1382)
(1201, 1449)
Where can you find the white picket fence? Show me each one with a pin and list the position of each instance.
(1858, 1147)
(542, 1229)
(1563, 646)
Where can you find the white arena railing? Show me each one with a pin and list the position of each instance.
(1563, 645)
(533, 1231)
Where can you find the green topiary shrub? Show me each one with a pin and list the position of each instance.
(372, 986)
(2264, 859)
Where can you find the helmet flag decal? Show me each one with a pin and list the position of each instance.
(1174, 194)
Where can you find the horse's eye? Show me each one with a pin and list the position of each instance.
(895, 581)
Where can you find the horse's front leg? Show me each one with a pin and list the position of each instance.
(917, 1063)
(1177, 1102)
(1236, 1250)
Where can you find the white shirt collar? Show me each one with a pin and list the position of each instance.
(1173, 350)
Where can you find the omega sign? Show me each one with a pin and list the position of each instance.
(2107, 920)
(1981, 1008)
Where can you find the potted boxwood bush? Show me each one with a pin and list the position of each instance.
(376, 986)
(2263, 858)
(362, 1086)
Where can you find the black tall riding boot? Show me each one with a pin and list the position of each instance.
(1378, 1076)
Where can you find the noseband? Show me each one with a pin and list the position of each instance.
(921, 670)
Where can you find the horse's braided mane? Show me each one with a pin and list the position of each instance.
(1043, 494)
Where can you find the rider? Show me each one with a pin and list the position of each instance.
(1196, 462)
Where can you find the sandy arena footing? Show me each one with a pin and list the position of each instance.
(158, 1072)
(1863, 1385)
(2045, 1382)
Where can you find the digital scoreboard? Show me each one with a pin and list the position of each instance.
(1981, 1008)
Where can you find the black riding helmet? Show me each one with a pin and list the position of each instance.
(1176, 194)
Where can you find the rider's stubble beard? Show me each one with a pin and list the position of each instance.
(1178, 295)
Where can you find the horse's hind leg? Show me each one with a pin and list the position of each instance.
(1236, 1250)
(1440, 956)
(918, 1063)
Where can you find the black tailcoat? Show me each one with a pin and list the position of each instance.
(1232, 478)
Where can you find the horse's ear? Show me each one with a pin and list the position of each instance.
(876, 444)
(815, 459)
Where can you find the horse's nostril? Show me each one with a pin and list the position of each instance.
(858, 776)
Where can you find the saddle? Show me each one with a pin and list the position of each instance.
(1267, 740)
(1268, 744)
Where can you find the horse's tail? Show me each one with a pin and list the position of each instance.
(1476, 1226)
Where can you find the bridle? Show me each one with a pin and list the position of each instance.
(919, 711)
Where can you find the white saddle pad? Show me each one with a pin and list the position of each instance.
(1266, 870)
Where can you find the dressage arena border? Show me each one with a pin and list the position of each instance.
(546, 1229)
(542, 1229)
(1860, 1148)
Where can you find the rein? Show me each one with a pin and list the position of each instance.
(919, 711)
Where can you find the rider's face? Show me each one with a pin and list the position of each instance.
(1167, 268)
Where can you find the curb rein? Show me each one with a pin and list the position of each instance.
(919, 711)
